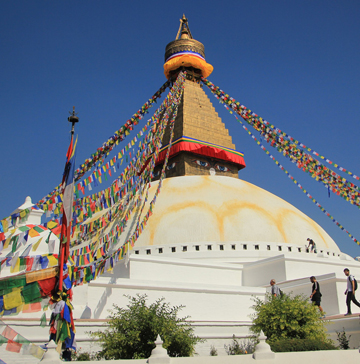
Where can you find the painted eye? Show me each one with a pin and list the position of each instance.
(202, 163)
(222, 168)
(171, 166)
(156, 174)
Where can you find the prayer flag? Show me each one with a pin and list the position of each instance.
(9, 333)
(13, 346)
(43, 320)
(68, 188)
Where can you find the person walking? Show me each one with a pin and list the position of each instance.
(350, 291)
(316, 294)
(275, 290)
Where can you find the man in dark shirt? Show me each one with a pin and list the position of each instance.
(316, 295)
(312, 246)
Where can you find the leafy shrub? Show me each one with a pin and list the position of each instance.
(238, 348)
(288, 317)
(343, 339)
(286, 345)
(133, 330)
(213, 351)
(84, 356)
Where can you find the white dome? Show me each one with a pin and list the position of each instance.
(223, 209)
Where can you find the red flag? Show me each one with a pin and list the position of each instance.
(9, 333)
(13, 346)
(68, 196)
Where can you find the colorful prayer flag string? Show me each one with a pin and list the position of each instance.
(330, 179)
(290, 176)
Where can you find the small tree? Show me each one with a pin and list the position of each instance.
(343, 339)
(133, 330)
(288, 318)
(213, 351)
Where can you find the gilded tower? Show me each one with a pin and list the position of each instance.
(201, 143)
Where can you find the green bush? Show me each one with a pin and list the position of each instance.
(82, 356)
(85, 356)
(213, 351)
(343, 339)
(288, 317)
(286, 345)
(238, 348)
(133, 330)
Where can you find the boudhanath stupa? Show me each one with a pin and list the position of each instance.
(211, 242)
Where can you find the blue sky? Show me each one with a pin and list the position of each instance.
(295, 63)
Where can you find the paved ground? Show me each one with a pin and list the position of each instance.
(336, 317)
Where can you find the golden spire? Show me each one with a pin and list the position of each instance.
(184, 41)
(184, 29)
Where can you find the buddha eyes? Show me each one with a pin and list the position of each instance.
(171, 166)
(221, 168)
(202, 163)
(217, 167)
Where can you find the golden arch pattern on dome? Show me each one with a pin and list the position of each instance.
(214, 208)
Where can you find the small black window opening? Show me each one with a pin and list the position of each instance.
(268, 247)
(289, 248)
(233, 247)
(299, 250)
(256, 247)
(184, 248)
(209, 247)
(136, 252)
(280, 248)
(160, 250)
(197, 247)
(148, 251)
(245, 247)
(221, 247)
(173, 249)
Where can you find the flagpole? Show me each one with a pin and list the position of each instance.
(73, 119)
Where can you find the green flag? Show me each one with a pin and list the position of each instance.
(43, 320)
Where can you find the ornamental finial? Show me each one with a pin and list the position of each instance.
(184, 30)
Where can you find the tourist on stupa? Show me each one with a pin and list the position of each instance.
(350, 291)
(275, 290)
(316, 294)
(312, 245)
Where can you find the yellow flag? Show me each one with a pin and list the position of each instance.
(5, 225)
(52, 261)
(36, 245)
(33, 233)
(7, 242)
(16, 267)
(13, 299)
(59, 347)
(51, 224)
